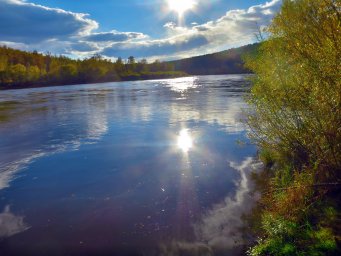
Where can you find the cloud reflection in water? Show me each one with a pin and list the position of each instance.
(55, 119)
(143, 120)
(11, 224)
(219, 229)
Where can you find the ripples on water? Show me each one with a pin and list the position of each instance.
(124, 168)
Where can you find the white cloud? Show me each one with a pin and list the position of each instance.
(170, 25)
(29, 26)
(26, 26)
(24, 22)
(235, 28)
(169, 46)
(114, 36)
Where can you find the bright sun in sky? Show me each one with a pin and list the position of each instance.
(181, 6)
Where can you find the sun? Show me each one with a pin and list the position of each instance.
(181, 6)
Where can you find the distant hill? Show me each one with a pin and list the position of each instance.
(225, 62)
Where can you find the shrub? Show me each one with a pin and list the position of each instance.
(296, 122)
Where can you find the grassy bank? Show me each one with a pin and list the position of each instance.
(296, 123)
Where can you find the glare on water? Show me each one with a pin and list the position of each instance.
(185, 142)
(182, 84)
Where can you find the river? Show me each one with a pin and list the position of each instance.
(131, 168)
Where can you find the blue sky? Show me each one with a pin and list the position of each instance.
(146, 29)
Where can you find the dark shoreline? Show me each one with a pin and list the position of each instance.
(18, 87)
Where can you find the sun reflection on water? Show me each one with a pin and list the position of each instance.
(185, 142)
(182, 84)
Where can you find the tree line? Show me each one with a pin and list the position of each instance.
(20, 69)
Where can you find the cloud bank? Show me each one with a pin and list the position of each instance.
(24, 22)
(30, 26)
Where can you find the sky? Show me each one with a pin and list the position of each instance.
(151, 29)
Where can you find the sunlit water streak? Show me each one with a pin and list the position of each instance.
(124, 168)
(185, 141)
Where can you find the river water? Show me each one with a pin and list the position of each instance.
(132, 168)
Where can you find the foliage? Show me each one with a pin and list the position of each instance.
(18, 72)
(55, 70)
(296, 98)
(287, 238)
(19, 68)
(297, 90)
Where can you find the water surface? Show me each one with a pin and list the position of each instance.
(131, 168)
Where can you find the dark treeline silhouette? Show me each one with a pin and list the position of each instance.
(24, 69)
(225, 62)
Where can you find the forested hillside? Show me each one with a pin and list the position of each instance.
(225, 62)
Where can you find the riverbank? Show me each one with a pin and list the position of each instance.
(143, 77)
(296, 123)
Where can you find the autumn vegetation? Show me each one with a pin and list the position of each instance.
(20, 69)
(296, 122)
(24, 69)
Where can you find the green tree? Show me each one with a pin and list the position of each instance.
(53, 68)
(68, 72)
(33, 73)
(119, 65)
(155, 66)
(18, 73)
(131, 60)
(131, 65)
(3, 63)
(92, 70)
(49, 69)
